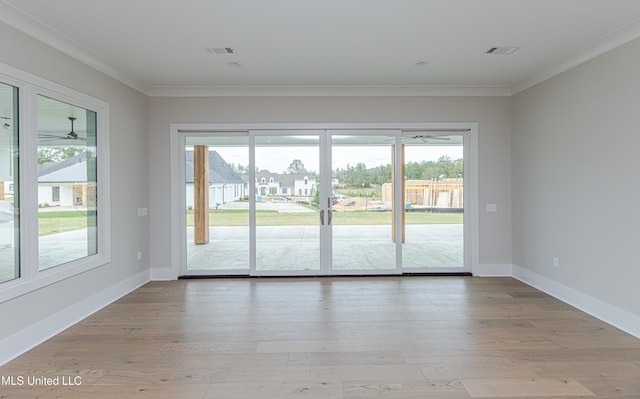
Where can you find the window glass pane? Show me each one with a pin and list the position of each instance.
(67, 182)
(217, 218)
(9, 215)
(433, 223)
(287, 225)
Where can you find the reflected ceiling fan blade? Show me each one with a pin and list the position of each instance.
(423, 138)
(69, 136)
(72, 135)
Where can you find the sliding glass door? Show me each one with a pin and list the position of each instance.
(433, 191)
(287, 193)
(324, 202)
(362, 203)
(216, 204)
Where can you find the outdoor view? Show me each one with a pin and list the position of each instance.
(9, 222)
(225, 201)
(362, 232)
(287, 214)
(67, 182)
(434, 203)
(288, 205)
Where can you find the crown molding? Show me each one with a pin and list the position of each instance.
(326, 91)
(36, 29)
(604, 44)
(30, 26)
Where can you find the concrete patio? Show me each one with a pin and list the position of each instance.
(287, 248)
(356, 248)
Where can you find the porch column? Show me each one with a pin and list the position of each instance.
(85, 190)
(201, 194)
(393, 195)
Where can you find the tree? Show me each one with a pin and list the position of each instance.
(240, 169)
(295, 167)
(57, 154)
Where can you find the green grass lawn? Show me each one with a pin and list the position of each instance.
(60, 221)
(274, 218)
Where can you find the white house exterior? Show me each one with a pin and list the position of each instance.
(304, 185)
(225, 185)
(66, 183)
(276, 184)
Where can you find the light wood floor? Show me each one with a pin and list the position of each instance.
(398, 338)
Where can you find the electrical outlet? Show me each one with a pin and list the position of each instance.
(556, 263)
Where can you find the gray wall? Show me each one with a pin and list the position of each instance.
(575, 185)
(129, 179)
(491, 113)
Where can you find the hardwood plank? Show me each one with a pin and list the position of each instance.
(429, 389)
(391, 337)
(276, 389)
(524, 387)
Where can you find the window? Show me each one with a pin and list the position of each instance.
(67, 163)
(61, 228)
(55, 194)
(9, 192)
(271, 180)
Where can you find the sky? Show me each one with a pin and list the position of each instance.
(278, 159)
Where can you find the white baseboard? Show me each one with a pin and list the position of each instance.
(19, 343)
(493, 270)
(606, 312)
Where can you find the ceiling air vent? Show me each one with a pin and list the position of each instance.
(220, 50)
(502, 50)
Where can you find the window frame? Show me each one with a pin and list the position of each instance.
(29, 87)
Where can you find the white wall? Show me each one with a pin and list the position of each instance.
(129, 190)
(575, 183)
(491, 113)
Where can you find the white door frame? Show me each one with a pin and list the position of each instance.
(178, 131)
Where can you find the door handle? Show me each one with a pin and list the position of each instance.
(330, 215)
(322, 217)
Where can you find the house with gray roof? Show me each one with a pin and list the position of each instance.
(303, 184)
(225, 185)
(71, 182)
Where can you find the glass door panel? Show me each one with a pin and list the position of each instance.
(433, 192)
(287, 217)
(362, 236)
(9, 191)
(217, 204)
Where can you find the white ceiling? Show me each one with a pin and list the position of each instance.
(160, 47)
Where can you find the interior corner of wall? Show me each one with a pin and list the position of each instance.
(493, 270)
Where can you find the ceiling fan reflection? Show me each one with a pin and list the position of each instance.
(72, 135)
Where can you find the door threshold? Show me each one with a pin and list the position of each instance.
(226, 276)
